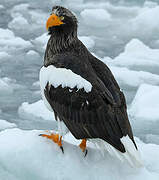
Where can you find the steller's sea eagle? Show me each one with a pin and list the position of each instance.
(82, 92)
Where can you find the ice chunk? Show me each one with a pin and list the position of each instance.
(10, 43)
(1, 6)
(146, 18)
(144, 109)
(5, 88)
(35, 111)
(137, 56)
(36, 84)
(133, 79)
(41, 42)
(19, 23)
(31, 153)
(87, 41)
(6, 125)
(150, 4)
(99, 16)
(4, 56)
(26, 17)
(151, 138)
(145, 104)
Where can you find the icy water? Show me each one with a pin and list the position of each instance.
(107, 26)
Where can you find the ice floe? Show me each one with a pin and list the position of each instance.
(6, 125)
(39, 158)
(35, 111)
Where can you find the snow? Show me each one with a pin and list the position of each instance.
(87, 41)
(123, 34)
(146, 18)
(41, 42)
(18, 23)
(39, 158)
(10, 43)
(144, 109)
(137, 56)
(99, 16)
(1, 6)
(133, 79)
(66, 78)
(145, 104)
(35, 111)
(6, 125)
(5, 88)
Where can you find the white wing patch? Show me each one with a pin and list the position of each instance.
(64, 77)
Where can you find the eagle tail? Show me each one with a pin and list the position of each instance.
(132, 155)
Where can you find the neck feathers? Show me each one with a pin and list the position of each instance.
(58, 44)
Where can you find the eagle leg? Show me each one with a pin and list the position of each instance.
(83, 146)
(55, 138)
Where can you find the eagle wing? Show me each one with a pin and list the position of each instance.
(97, 113)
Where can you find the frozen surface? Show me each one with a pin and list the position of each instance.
(10, 43)
(87, 41)
(137, 56)
(144, 108)
(38, 158)
(145, 104)
(123, 34)
(99, 16)
(35, 111)
(6, 125)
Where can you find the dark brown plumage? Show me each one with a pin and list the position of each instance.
(100, 113)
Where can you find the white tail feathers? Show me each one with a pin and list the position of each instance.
(132, 155)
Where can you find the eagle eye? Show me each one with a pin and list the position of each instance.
(61, 17)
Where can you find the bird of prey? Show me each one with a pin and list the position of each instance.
(81, 90)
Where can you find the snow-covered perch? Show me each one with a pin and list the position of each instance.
(25, 155)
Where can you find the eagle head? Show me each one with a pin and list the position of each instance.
(61, 22)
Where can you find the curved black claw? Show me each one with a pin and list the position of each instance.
(85, 152)
(62, 149)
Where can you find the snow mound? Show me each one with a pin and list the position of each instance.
(145, 104)
(144, 109)
(146, 18)
(1, 6)
(10, 43)
(6, 125)
(35, 111)
(137, 56)
(38, 158)
(99, 16)
(133, 79)
(27, 22)
(41, 42)
(19, 23)
(5, 88)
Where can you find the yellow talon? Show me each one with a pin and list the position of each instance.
(54, 137)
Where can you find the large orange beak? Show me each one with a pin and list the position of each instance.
(53, 20)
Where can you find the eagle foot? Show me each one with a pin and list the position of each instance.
(55, 138)
(83, 147)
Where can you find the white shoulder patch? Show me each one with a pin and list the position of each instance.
(64, 77)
